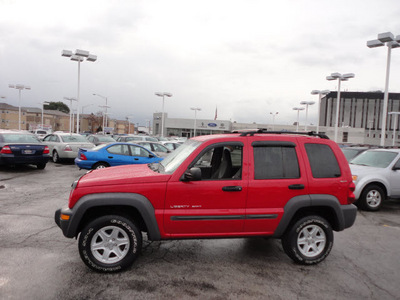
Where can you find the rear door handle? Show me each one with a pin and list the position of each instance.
(232, 188)
(110, 157)
(296, 186)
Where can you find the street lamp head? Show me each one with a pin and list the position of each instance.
(163, 94)
(195, 108)
(298, 108)
(336, 75)
(348, 75)
(374, 44)
(330, 78)
(83, 53)
(386, 37)
(66, 53)
(307, 102)
(393, 45)
(91, 57)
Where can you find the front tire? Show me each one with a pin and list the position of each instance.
(309, 240)
(110, 244)
(371, 198)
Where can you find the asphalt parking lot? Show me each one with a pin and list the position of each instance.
(37, 262)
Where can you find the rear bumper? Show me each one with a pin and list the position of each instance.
(84, 164)
(10, 159)
(349, 215)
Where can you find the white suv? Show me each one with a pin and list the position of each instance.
(376, 174)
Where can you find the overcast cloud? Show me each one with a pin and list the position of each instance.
(248, 58)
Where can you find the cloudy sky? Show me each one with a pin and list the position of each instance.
(246, 57)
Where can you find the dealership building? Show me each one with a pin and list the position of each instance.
(360, 120)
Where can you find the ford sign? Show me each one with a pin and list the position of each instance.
(212, 125)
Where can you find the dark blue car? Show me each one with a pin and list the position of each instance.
(22, 148)
(114, 154)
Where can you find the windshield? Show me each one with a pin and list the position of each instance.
(74, 139)
(351, 153)
(105, 139)
(20, 138)
(174, 160)
(377, 159)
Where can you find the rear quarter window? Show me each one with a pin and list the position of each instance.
(275, 162)
(322, 160)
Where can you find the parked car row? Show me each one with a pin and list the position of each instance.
(23, 147)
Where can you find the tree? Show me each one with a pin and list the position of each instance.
(60, 106)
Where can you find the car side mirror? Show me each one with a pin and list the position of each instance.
(194, 174)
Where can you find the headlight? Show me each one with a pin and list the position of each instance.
(355, 177)
(74, 184)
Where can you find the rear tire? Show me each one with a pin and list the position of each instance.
(371, 198)
(110, 244)
(55, 157)
(41, 166)
(100, 165)
(309, 240)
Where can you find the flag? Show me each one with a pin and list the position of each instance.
(216, 113)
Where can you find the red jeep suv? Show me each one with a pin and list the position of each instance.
(296, 187)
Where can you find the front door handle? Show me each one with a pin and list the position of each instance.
(296, 186)
(110, 157)
(232, 188)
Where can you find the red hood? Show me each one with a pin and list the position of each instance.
(128, 174)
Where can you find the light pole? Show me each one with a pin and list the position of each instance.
(19, 87)
(70, 99)
(104, 115)
(391, 42)
(84, 106)
(339, 77)
(298, 111)
(162, 116)
(129, 124)
(320, 93)
(79, 56)
(306, 103)
(43, 103)
(273, 119)
(105, 98)
(395, 113)
(196, 109)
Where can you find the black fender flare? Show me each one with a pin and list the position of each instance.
(345, 215)
(137, 201)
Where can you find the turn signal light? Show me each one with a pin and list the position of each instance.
(64, 217)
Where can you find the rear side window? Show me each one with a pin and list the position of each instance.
(275, 162)
(322, 161)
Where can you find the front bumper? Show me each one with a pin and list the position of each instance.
(62, 217)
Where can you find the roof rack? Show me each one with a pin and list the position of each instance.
(265, 131)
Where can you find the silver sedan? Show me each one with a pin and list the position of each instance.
(65, 145)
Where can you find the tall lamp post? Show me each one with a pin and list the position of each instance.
(395, 113)
(273, 119)
(19, 87)
(320, 93)
(70, 99)
(306, 103)
(79, 56)
(196, 109)
(104, 115)
(129, 124)
(105, 98)
(339, 77)
(391, 42)
(298, 111)
(42, 104)
(162, 116)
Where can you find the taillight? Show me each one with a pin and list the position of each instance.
(6, 150)
(350, 196)
(82, 157)
(67, 148)
(46, 150)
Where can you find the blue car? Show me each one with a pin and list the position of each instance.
(114, 154)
